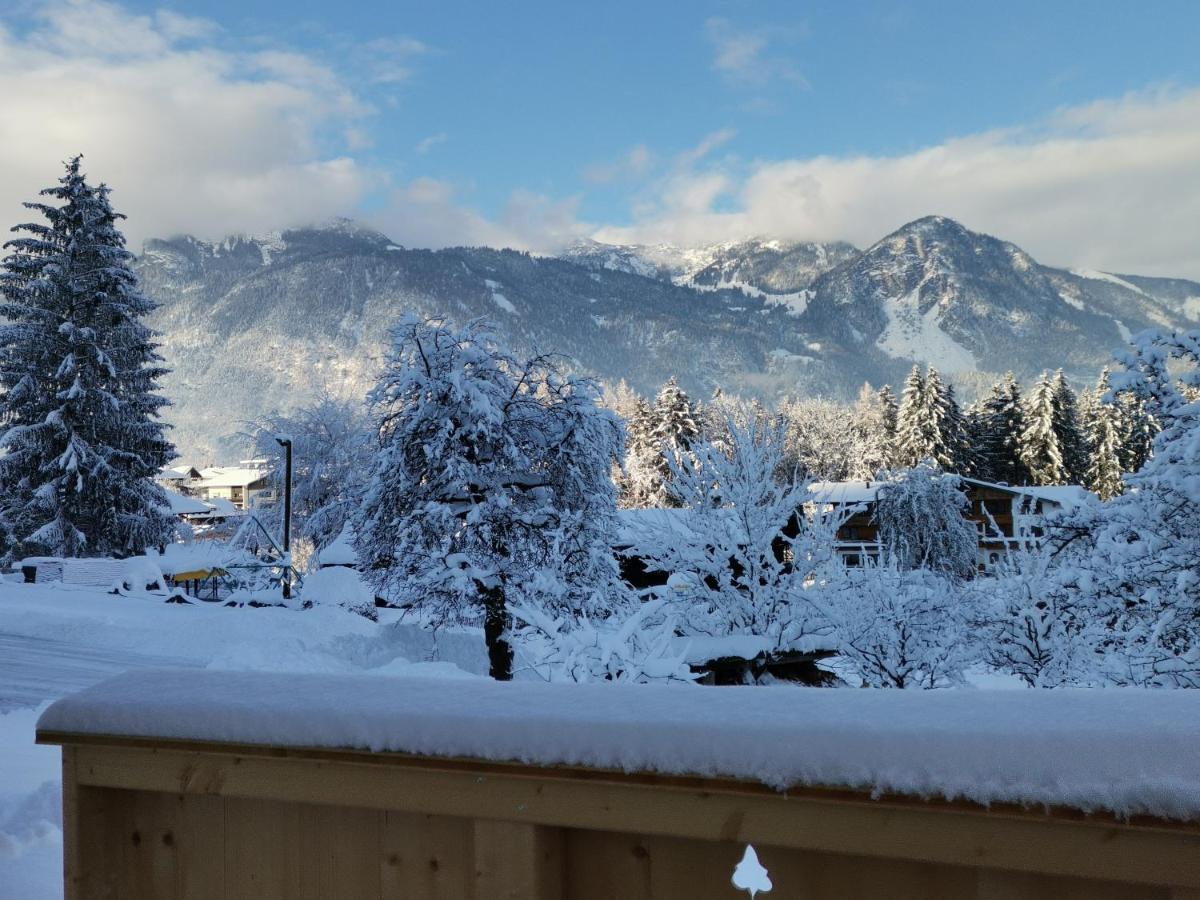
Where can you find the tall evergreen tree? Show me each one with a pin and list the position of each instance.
(1137, 431)
(1041, 452)
(912, 421)
(1067, 427)
(888, 411)
(79, 372)
(1002, 424)
(640, 475)
(1103, 434)
(676, 429)
(873, 425)
(951, 445)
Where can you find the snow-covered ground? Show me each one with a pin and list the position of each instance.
(57, 639)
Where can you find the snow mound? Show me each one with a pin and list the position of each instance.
(340, 586)
(1127, 751)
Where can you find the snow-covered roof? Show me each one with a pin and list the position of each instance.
(180, 505)
(1126, 751)
(850, 492)
(172, 475)
(236, 477)
(844, 492)
(1065, 495)
(218, 508)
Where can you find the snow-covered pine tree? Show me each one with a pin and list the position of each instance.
(889, 410)
(1041, 453)
(1071, 442)
(912, 421)
(676, 428)
(948, 444)
(1104, 442)
(640, 476)
(491, 486)
(1137, 431)
(1002, 424)
(873, 426)
(82, 436)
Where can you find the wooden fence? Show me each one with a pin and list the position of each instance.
(147, 818)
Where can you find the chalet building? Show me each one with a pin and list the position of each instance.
(180, 479)
(239, 485)
(1005, 517)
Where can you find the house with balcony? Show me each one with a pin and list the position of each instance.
(1006, 517)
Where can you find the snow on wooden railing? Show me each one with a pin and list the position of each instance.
(1124, 751)
(223, 784)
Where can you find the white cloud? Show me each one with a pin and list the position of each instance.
(427, 144)
(634, 164)
(191, 137)
(1113, 184)
(427, 212)
(743, 56)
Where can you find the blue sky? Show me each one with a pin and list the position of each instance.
(534, 123)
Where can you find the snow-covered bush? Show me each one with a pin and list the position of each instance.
(1036, 621)
(919, 513)
(638, 645)
(900, 628)
(491, 485)
(1140, 567)
(743, 560)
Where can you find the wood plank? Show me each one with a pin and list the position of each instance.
(426, 857)
(910, 831)
(601, 865)
(74, 836)
(293, 851)
(517, 861)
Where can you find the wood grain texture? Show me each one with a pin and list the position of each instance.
(171, 823)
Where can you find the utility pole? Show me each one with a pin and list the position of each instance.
(285, 442)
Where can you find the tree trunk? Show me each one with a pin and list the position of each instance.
(495, 626)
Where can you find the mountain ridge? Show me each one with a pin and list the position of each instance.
(252, 324)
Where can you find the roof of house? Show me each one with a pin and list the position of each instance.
(218, 508)
(179, 505)
(231, 477)
(850, 492)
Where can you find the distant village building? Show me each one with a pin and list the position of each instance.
(1005, 517)
(241, 485)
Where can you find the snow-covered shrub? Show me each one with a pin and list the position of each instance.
(901, 628)
(920, 515)
(1036, 622)
(635, 646)
(339, 586)
(1140, 567)
(491, 486)
(743, 561)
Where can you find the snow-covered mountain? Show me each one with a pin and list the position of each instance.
(777, 270)
(255, 324)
